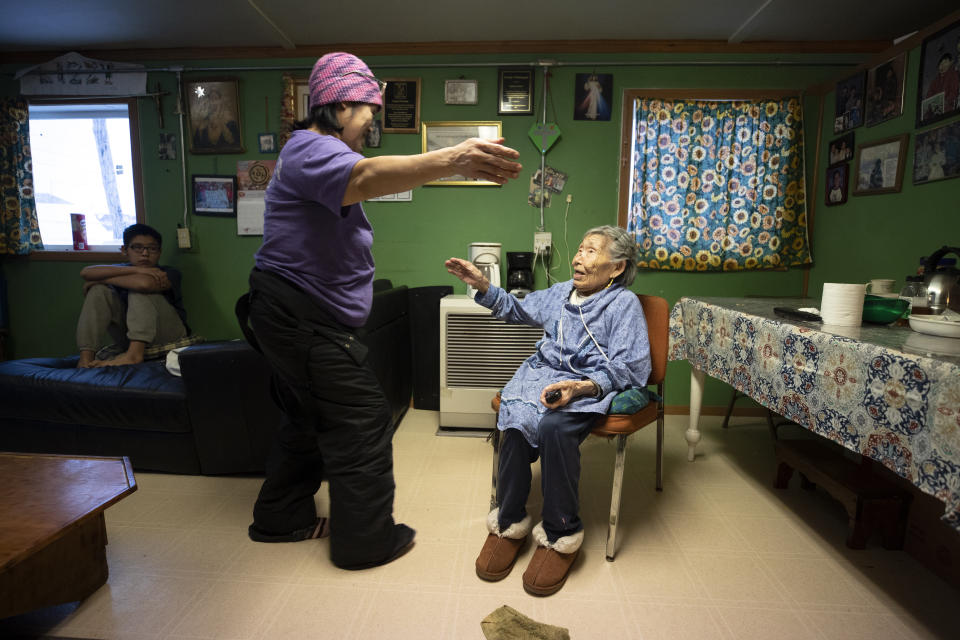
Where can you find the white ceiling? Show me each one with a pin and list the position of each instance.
(63, 25)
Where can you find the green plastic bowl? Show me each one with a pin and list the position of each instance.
(880, 310)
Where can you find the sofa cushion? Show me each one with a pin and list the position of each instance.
(143, 396)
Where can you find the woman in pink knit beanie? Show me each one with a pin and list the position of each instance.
(310, 291)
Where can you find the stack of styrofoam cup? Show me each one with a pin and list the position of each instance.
(842, 304)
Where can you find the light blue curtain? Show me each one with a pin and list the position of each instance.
(718, 185)
(19, 228)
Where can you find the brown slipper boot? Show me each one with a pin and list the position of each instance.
(547, 571)
(551, 562)
(497, 557)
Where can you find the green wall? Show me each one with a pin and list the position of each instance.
(413, 239)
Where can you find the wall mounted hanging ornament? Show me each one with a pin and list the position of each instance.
(543, 135)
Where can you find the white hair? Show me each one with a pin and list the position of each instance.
(621, 246)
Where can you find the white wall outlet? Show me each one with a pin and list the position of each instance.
(542, 243)
(183, 237)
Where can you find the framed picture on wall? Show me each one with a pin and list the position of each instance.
(593, 96)
(215, 195)
(294, 105)
(885, 90)
(848, 113)
(401, 105)
(936, 154)
(213, 112)
(841, 149)
(938, 89)
(837, 183)
(439, 135)
(879, 166)
(460, 91)
(515, 92)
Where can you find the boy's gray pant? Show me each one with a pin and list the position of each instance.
(147, 317)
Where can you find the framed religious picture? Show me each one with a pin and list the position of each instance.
(213, 114)
(439, 135)
(848, 113)
(401, 105)
(841, 149)
(593, 93)
(885, 90)
(938, 89)
(936, 154)
(460, 91)
(837, 182)
(215, 195)
(879, 166)
(515, 92)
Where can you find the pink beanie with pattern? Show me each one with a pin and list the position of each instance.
(343, 77)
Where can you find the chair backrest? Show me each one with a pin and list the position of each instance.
(657, 313)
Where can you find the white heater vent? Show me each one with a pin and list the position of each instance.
(483, 351)
(478, 356)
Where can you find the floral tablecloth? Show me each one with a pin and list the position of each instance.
(886, 392)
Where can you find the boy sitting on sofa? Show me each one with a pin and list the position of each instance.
(137, 303)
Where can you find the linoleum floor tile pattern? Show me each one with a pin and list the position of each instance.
(718, 553)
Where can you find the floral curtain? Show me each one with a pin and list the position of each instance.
(718, 185)
(19, 228)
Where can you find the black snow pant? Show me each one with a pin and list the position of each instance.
(338, 425)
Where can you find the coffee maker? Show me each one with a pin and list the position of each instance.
(519, 272)
(486, 257)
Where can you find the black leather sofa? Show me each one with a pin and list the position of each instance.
(217, 418)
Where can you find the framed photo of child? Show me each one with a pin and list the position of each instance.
(838, 180)
(938, 90)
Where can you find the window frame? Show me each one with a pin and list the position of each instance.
(133, 115)
(626, 129)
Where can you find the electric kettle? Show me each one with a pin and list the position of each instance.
(943, 283)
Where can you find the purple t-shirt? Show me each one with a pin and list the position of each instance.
(308, 237)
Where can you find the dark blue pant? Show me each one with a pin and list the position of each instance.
(558, 440)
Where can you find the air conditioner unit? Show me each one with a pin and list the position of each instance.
(478, 356)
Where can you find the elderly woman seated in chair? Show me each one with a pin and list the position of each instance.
(594, 345)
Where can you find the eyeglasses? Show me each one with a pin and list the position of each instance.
(144, 248)
(380, 83)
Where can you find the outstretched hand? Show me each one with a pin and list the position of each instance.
(486, 160)
(467, 272)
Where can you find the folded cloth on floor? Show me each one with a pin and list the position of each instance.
(506, 623)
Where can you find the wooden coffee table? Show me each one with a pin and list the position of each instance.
(52, 532)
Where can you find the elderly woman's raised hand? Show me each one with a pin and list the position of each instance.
(467, 272)
(485, 160)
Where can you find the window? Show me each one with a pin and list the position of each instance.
(86, 160)
(714, 184)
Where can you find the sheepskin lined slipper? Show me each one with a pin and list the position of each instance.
(319, 529)
(551, 562)
(497, 556)
(501, 548)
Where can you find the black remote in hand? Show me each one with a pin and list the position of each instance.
(553, 396)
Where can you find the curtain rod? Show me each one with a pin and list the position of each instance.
(449, 65)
